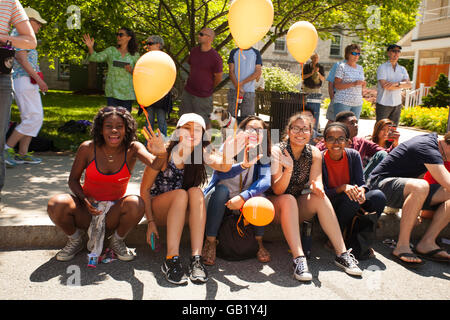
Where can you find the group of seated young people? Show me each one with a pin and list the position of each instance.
(334, 180)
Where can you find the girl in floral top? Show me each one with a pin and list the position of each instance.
(172, 195)
(121, 60)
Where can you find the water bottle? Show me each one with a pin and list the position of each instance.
(306, 237)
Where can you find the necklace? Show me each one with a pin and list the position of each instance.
(110, 158)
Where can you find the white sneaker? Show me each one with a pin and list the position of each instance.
(301, 271)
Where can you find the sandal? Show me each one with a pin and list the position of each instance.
(263, 255)
(209, 252)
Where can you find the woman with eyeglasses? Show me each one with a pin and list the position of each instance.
(343, 178)
(121, 60)
(228, 191)
(107, 162)
(173, 195)
(349, 83)
(297, 194)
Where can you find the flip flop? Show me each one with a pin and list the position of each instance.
(433, 255)
(407, 263)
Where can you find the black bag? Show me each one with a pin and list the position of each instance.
(361, 235)
(38, 143)
(6, 58)
(232, 246)
(72, 126)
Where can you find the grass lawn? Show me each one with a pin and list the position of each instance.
(62, 106)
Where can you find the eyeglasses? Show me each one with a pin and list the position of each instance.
(120, 34)
(258, 131)
(333, 140)
(296, 129)
(356, 53)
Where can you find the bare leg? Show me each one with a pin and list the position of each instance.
(286, 213)
(441, 219)
(197, 219)
(125, 215)
(311, 204)
(67, 213)
(415, 193)
(169, 209)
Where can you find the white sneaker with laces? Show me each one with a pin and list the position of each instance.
(348, 262)
(72, 247)
(120, 249)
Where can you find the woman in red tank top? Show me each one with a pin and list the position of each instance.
(107, 162)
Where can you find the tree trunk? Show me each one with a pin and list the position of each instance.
(92, 77)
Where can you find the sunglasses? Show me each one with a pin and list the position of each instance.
(150, 43)
(120, 34)
(356, 53)
(396, 51)
(121, 110)
(201, 34)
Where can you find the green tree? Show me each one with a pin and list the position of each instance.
(439, 95)
(179, 21)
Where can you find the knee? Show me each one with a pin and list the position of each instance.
(419, 188)
(180, 196)
(288, 204)
(380, 155)
(57, 205)
(221, 191)
(195, 193)
(134, 205)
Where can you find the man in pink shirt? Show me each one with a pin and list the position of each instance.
(205, 74)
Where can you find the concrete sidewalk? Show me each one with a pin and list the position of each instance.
(24, 222)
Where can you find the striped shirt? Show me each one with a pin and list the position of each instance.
(11, 13)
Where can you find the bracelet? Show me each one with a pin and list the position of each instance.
(152, 220)
(243, 167)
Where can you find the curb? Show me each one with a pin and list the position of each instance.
(49, 236)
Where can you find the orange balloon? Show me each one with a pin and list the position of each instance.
(301, 40)
(249, 21)
(153, 77)
(259, 211)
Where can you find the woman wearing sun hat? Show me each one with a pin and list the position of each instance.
(28, 80)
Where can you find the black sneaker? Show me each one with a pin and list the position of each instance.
(348, 262)
(301, 271)
(173, 270)
(197, 270)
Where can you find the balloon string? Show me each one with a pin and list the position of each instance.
(238, 89)
(145, 132)
(303, 95)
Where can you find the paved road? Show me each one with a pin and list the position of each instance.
(35, 274)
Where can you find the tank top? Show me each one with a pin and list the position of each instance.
(106, 187)
(168, 180)
(302, 168)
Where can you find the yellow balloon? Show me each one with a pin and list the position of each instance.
(153, 77)
(301, 40)
(259, 211)
(249, 21)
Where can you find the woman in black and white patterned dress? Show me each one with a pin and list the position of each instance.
(298, 195)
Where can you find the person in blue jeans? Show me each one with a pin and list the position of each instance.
(162, 107)
(229, 190)
(349, 82)
(343, 178)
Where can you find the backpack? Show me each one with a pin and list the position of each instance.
(361, 235)
(73, 126)
(236, 240)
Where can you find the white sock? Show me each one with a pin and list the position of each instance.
(76, 235)
(117, 236)
(7, 147)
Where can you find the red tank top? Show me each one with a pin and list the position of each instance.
(106, 187)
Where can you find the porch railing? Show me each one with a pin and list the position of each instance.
(413, 98)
